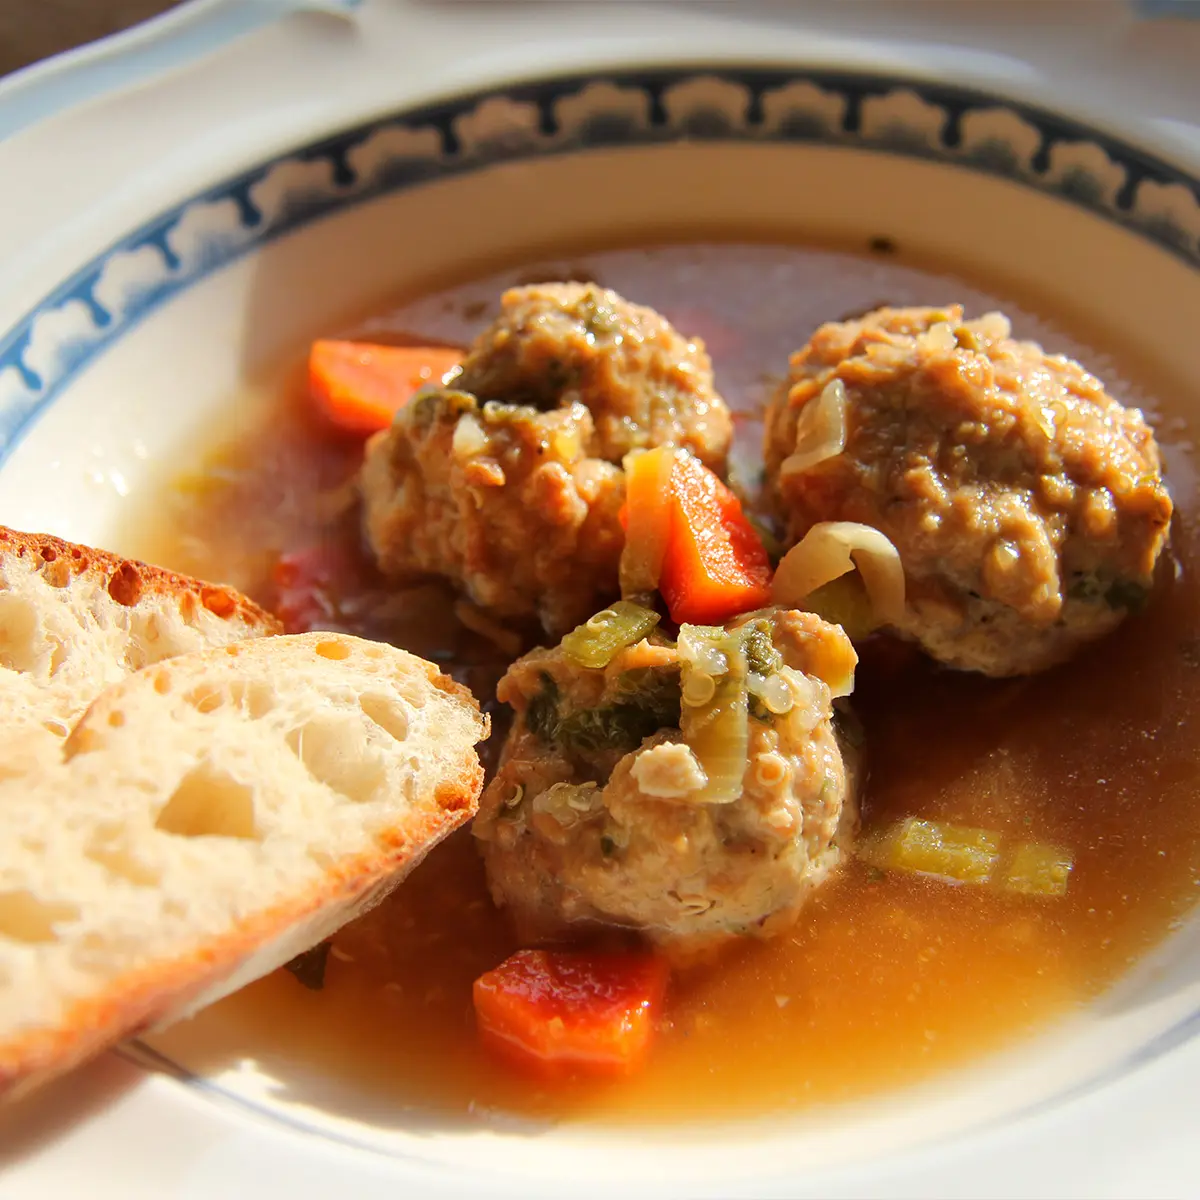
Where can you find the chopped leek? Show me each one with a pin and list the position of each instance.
(598, 640)
(955, 852)
(844, 601)
(1039, 869)
(715, 726)
(962, 854)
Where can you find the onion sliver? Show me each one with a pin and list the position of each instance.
(827, 551)
(820, 430)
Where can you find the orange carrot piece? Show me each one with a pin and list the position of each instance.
(560, 1014)
(715, 565)
(646, 517)
(360, 387)
(687, 535)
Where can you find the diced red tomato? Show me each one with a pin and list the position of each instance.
(559, 1014)
(304, 582)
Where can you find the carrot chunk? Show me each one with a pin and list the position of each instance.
(687, 529)
(360, 387)
(558, 1014)
(646, 517)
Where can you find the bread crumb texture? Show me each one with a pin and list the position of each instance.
(221, 804)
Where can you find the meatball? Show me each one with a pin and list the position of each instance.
(1027, 505)
(508, 480)
(503, 500)
(643, 382)
(601, 811)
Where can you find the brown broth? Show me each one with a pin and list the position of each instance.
(886, 978)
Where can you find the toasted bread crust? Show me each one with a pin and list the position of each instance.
(127, 580)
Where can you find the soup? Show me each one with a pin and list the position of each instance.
(886, 978)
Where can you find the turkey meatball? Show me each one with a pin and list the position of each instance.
(508, 480)
(1027, 505)
(644, 383)
(504, 500)
(695, 792)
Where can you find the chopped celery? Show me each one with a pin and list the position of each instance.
(598, 640)
(955, 852)
(714, 719)
(1039, 869)
(965, 855)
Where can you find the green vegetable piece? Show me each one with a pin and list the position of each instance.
(598, 640)
(761, 656)
(714, 716)
(654, 691)
(844, 601)
(955, 852)
(1127, 594)
(1039, 869)
(591, 731)
(771, 543)
(645, 701)
(541, 713)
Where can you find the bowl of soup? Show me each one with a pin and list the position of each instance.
(851, 301)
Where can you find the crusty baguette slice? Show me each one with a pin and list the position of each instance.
(216, 815)
(74, 620)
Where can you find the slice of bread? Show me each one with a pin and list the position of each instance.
(74, 620)
(216, 815)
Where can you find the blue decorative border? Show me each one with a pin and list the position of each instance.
(950, 124)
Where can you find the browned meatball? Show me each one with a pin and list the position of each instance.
(643, 382)
(599, 812)
(506, 501)
(1027, 505)
(509, 481)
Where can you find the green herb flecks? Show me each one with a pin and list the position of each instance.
(1128, 594)
(645, 701)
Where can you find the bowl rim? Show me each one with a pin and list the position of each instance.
(1126, 215)
(443, 117)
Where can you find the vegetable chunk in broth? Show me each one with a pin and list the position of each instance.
(1088, 772)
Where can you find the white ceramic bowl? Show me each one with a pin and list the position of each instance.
(127, 317)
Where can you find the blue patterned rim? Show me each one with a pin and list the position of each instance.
(112, 293)
(109, 295)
